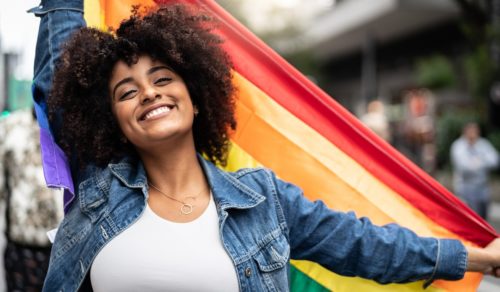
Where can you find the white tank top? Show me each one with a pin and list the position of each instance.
(155, 254)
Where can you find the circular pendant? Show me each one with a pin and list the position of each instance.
(186, 209)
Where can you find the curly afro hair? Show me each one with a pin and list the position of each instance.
(175, 35)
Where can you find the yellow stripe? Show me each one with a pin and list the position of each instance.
(238, 158)
(94, 14)
(338, 283)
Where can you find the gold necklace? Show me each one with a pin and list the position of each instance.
(186, 208)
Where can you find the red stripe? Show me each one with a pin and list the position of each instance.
(272, 74)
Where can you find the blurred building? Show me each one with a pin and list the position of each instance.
(384, 49)
(368, 48)
(2, 79)
(14, 93)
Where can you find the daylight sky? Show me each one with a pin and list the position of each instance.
(18, 31)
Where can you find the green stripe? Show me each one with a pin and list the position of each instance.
(300, 282)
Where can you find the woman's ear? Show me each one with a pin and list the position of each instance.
(195, 110)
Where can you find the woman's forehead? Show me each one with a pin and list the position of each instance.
(141, 65)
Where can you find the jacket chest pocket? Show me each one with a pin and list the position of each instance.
(272, 263)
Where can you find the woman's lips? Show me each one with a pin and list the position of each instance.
(157, 112)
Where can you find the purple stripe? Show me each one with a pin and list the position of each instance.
(69, 196)
(55, 167)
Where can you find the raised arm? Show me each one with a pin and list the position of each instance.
(58, 19)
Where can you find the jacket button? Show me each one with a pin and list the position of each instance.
(248, 272)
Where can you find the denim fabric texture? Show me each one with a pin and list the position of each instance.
(264, 222)
(58, 20)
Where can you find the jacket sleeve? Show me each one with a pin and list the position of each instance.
(58, 20)
(350, 246)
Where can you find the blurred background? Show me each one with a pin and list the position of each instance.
(415, 71)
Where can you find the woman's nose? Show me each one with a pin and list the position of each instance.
(150, 93)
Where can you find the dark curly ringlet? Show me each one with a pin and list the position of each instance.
(174, 35)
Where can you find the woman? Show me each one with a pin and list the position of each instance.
(144, 115)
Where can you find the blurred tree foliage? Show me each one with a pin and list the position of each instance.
(479, 71)
(480, 25)
(435, 72)
(478, 62)
(494, 138)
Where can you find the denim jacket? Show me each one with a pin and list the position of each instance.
(263, 221)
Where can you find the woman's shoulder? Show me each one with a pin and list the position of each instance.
(260, 178)
(261, 175)
(250, 172)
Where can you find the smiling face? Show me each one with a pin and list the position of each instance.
(151, 103)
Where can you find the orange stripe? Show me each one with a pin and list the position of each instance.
(110, 13)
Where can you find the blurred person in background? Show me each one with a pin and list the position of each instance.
(419, 128)
(32, 209)
(473, 158)
(376, 119)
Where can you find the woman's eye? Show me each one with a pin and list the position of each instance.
(127, 94)
(162, 80)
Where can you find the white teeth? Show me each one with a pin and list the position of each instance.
(156, 112)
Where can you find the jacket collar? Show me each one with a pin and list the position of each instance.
(228, 191)
(94, 183)
(130, 171)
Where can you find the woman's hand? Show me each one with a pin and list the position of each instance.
(485, 260)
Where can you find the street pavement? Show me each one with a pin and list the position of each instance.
(489, 284)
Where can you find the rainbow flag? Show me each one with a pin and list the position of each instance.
(287, 123)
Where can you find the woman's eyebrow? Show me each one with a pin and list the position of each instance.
(123, 81)
(157, 68)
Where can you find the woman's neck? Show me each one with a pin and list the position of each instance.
(175, 171)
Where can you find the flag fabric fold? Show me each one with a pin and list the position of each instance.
(285, 122)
